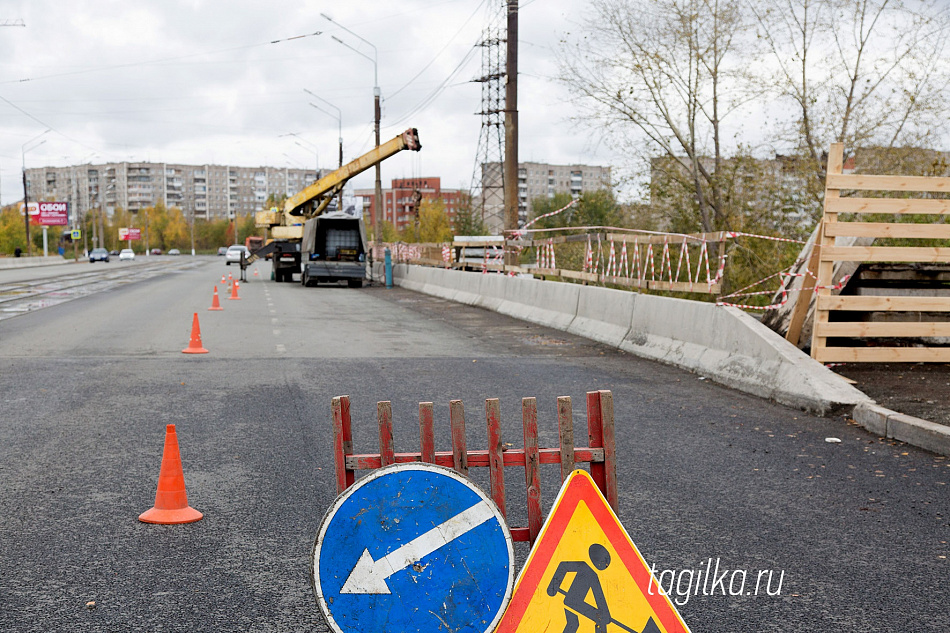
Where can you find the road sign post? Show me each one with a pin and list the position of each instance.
(412, 548)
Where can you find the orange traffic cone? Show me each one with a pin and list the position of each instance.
(194, 345)
(234, 291)
(171, 499)
(223, 279)
(215, 304)
(229, 277)
(255, 273)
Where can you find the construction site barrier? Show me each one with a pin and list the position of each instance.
(599, 452)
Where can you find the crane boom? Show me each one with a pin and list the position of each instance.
(312, 200)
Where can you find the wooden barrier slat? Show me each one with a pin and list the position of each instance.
(384, 415)
(457, 422)
(884, 355)
(610, 456)
(888, 205)
(342, 442)
(682, 286)
(928, 255)
(532, 470)
(478, 458)
(863, 303)
(865, 182)
(595, 433)
(862, 329)
(882, 229)
(426, 432)
(573, 274)
(496, 462)
(565, 427)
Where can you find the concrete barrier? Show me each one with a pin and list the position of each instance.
(721, 343)
(30, 262)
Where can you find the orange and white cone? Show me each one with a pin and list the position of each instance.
(215, 303)
(234, 289)
(223, 280)
(171, 498)
(194, 345)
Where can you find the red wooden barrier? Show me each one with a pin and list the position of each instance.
(600, 452)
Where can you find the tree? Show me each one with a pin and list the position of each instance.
(434, 224)
(866, 73)
(661, 77)
(467, 220)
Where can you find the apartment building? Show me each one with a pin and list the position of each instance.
(207, 191)
(536, 180)
(399, 201)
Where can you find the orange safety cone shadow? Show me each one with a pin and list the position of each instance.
(171, 499)
(234, 294)
(215, 303)
(194, 345)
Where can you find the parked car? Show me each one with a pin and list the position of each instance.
(234, 254)
(156, 251)
(126, 254)
(174, 251)
(222, 250)
(98, 255)
(114, 253)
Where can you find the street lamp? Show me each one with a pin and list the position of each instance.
(339, 120)
(316, 155)
(26, 195)
(377, 219)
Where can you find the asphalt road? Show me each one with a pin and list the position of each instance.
(859, 528)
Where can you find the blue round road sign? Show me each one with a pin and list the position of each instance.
(412, 548)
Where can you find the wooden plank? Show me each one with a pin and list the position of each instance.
(595, 434)
(825, 270)
(426, 432)
(885, 355)
(889, 205)
(573, 274)
(803, 300)
(610, 451)
(565, 427)
(865, 182)
(384, 415)
(496, 461)
(882, 229)
(457, 422)
(479, 458)
(667, 238)
(864, 303)
(930, 255)
(342, 442)
(532, 461)
(899, 328)
(682, 286)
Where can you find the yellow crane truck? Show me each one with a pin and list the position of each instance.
(319, 246)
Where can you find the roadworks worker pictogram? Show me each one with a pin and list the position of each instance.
(586, 583)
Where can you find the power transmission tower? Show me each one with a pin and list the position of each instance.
(488, 183)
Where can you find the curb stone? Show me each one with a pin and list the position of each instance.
(905, 428)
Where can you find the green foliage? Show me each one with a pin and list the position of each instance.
(467, 220)
(434, 224)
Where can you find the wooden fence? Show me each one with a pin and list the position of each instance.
(833, 225)
(599, 452)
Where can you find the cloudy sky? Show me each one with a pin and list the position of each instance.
(194, 81)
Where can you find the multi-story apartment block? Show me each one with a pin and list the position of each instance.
(536, 180)
(399, 201)
(207, 191)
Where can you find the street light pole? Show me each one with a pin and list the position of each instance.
(339, 120)
(377, 219)
(26, 195)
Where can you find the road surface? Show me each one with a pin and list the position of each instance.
(859, 528)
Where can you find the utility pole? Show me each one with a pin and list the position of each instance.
(511, 127)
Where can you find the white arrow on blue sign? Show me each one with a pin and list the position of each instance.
(413, 548)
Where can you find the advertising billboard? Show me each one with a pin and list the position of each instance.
(50, 213)
(129, 234)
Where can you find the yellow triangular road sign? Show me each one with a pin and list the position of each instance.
(585, 575)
